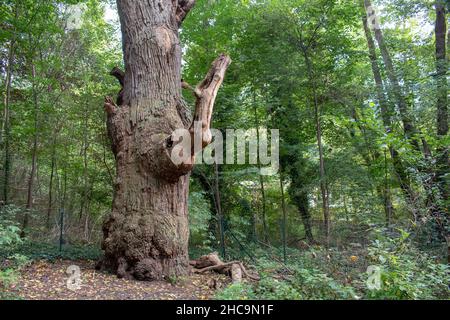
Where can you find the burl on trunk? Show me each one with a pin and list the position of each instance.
(146, 234)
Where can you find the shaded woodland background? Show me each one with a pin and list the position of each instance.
(364, 141)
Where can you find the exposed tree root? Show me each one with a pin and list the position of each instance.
(212, 262)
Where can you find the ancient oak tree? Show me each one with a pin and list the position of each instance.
(146, 234)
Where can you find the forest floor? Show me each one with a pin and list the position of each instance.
(44, 280)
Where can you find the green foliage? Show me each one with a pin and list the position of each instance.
(317, 273)
(273, 289)
(317, 285)
(9, 235)
(303, 280)
(406, 272)
(304, 277)
(199, 217)
(9, 228)
(236, 291)
(11, 262)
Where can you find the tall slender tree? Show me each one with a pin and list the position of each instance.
(442, 95)
(408, 126)
(386, 114)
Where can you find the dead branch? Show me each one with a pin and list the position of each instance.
(205, 94)
(212, 262)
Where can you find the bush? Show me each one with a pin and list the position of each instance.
(316, 285)
(301, 281)
(405, 271)
(273, 289)
(9, 229)
(10, 262)
(236, 291)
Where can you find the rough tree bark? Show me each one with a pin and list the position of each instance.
(146, 234)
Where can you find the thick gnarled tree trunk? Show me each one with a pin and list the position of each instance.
(146, 235)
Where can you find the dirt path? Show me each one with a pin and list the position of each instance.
(46, 280)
